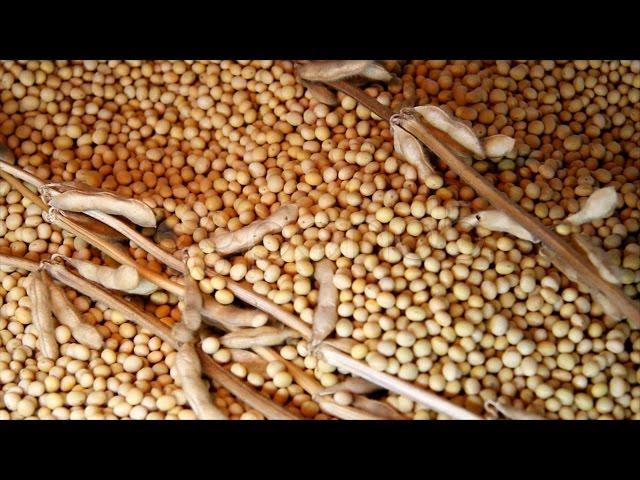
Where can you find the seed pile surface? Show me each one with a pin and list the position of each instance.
(471, 314)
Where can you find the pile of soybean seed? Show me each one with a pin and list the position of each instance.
(471, 315)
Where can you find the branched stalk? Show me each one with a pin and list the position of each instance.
(249, 296)
(557, 247)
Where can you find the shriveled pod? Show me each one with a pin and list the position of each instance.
(498, 146)
(355, 385)
(343, 344)
(320, 93)
(345, 412)
(41, 315)
(122, 278)
(185, 330)
(600, 204)
(230, 316)
(456, 130)
(607, 305)
(332, 70)
(68, 315)
(325, 316)
(498, 221)
(258, 337)
(99, 229)
(412, 150)
(77, 200)
(9, 263)
(599, 258)
(377, 408)
(510, 412)
(246, 237)
(144, 287)
(188, 372)
(251, 361)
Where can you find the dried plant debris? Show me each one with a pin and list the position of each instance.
(498, 221)
(333, 70)
(41, 315)
(600, 204)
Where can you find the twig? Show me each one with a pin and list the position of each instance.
(557, 247)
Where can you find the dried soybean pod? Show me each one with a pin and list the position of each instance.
(182, 333)
(122, 278)
(230, 316)
(257, 337)
(41, 315)
(251, 361)
(498, 146)
(81, 201)
(248, 236)
(144, 287)
(189, 373)
(498, 221)
(599, 258)
(377, 408)
(345, 412)
(342, 344)
(320, 93)
(326, 313)
(511, 413)
(412, 150)
(608, 307)
(192, 303)
(332, 70)
(600, 204)
(458, 131)
(185, 330)
(355, 385)
(67, 315)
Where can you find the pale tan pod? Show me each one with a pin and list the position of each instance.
(332, 70)
(192, 302)
(189, 373)
(413, 151)
(41, 315)
(345, 412)
(600, 204)
(182, 333)
(122, 278)
(608, 307)
(144, 287)
(248, 236)
(81, 201)
(258, 337)
(457, 130)
(498, 221)
(230, 316)
(68, 315)
(498, 146)
(342, 344)
(251, 361)
(599, 258)
(320, 93)
(355, 385)
(325, 316)
(377, 408)
(511, 413)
